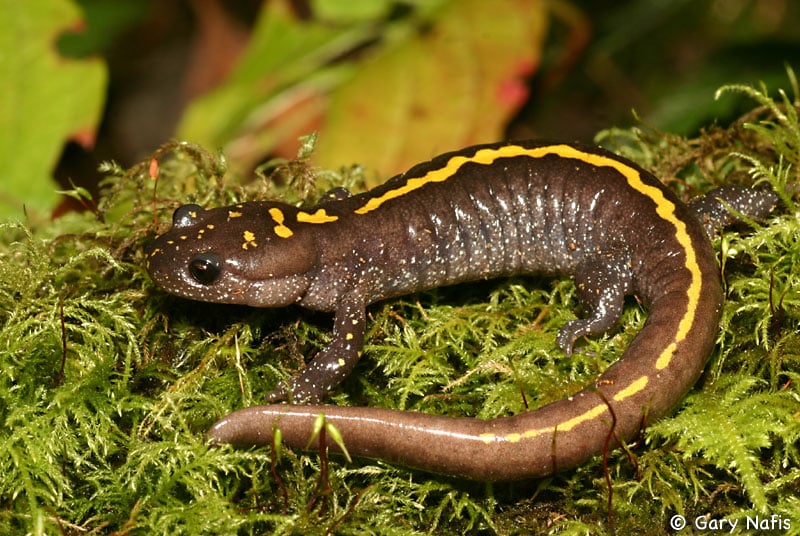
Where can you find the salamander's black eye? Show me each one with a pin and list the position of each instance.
(205, 268)
(185, 215)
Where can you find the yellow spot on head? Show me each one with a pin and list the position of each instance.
(234, 214)
(320, 216)
(283, 231)
(278, 217)
(249, 240)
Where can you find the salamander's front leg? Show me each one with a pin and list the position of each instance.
(333, 364)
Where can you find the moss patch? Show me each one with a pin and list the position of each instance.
(107, 384)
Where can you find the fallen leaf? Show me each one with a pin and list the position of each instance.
(45, 99)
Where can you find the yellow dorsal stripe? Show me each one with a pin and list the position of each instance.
(565, 426)
(665, 209)
(592, 413)
(483, 156)
(633, 388)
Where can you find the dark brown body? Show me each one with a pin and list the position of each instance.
(486, 211)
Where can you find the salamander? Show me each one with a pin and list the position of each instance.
(486, 211)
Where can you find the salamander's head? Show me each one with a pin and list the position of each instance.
(246, 254)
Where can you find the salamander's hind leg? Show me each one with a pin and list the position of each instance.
(331, 365)
(602, 286)
(719, 207)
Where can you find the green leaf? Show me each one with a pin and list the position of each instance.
(384, 93)
(283, 65)
(350, 10)
(453, 85)
(45, 99)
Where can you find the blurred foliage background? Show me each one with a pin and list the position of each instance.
(387, 83)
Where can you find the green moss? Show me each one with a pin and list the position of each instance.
(107, 384)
